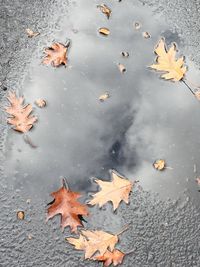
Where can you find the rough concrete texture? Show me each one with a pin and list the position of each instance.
(164, 233)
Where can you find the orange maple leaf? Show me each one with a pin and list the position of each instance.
(56, 54)
(65, 203)
(20, 114)
(116, 257)
(115, 191)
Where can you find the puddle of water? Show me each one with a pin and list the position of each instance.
(146, 118)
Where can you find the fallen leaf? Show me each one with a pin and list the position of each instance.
(56, 54)
(31, 33)
(20, 114)
(104, 31)
(116, 257)
(159, 164)
(125, 54)
(137, 25)
(94, 241)
(146, 35)
(20, 215)
(41, 103)
(104, 96)
(105, 10)
(121, 67)
(115, 191)
(167, 62)
(65, 203)
(198, 180)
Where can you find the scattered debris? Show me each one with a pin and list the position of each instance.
(31, 33)
(105, 10)
(137, 25)
(30, 236)
(104, 96)
(41, 103)
(146, 35)
(104, 31)
(125, 54)
(121, 67)
(20, 215)
(159, 164)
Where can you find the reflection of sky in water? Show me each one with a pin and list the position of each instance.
(145, 118)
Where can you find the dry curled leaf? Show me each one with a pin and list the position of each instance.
(116, 257)
(137, 25)
(166, 62)
(92, 242)
(104, 96)
(105, 10)
(31, 33)
(65, 203)
(104, 31)
(159, 164)
(56, 54)
(125, 54)
(146, 35)
(41, 103)
(121, 67)
(20, 215)
(115, 191)
(21, 117)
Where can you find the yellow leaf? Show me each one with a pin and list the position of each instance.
(104, 31)
(115, 191)
(167, 62)
(94, 241)
(159, 164)
(105, 9)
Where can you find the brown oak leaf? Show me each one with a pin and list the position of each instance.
(94, 241)
(65, 203)
(56, 55)
(115, 191)
(116, 257)
(20, 114)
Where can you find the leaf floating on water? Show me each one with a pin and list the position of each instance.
(104, 31)
(56, 55)
(41, 103)
(105, 10)
(104, 97)
(125, 54)
(20, 215)
(121, 67)
(146, 35)
(31, 33)
(159, 164)
(115, 191)
(137, 25)
(115, 257)
(166, 62)
(21, 117)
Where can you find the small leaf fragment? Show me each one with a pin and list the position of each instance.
(197, 94)
(116, 257)
(41, 103)
(20, 215)
(104, 96)
(198, 180)
(105, 10)
(159, 164)
(104, 31)
(137, 25)
(31, 33)
(121, 67)
(146, 35)
(125, 54)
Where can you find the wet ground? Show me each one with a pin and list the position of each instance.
(78, 137)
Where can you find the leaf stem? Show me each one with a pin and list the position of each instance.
(131, 251)
(188, 87)
(64, 182)
(125, 228)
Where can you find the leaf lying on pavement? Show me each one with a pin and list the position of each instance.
(21, 117)
(56, 54)
(94, 241)
(105, 10)
(166, 62)
(31, 33)
(65, 203)
(116, 257)
(115, 191)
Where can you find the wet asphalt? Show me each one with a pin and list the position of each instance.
(79, 137)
